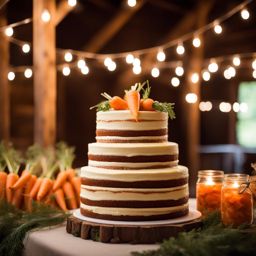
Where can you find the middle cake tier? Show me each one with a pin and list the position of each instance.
(133, 155)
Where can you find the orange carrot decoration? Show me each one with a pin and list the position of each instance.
(60, 199)
(147, 105)
(22, 181)
(27, 190)
(17, 197)
(116, 102)
(61, 179)
(11, 180)
(35, 188)
(133, 101)
(3, 178)
(71, 173)
(70, 195)
(45, 187)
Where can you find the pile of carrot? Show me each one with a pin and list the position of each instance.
(48, 177)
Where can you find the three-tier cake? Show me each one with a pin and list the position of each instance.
(133, 172)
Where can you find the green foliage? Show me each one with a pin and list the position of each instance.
(2, 161)
(210, 240)
(65, 155)
(146, 91)
(102, 106)
(165, 107)
(15, 223)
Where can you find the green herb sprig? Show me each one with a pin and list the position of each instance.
(165, 107)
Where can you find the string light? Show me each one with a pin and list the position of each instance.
(155, 72)
(254, 74)
(175, 82)
(45, 16)
(236, 107)
(84, 70)
(236, 61)
(180, 49)
(206, 75)
(111, 66)
(9, 31)
(205, 106)
(131, 3)
(66, 71)
(213, 67)
(229, 72)
(129, 58)
(28, 72)
(225, 107)
(194, 78)
(72, 3)
(68, 57)
(217, 28)
(81, 63)
(107, 61)
(196, 42)
(191, 98)
(26, 48)
(161, 56)
(245, 14)
(11, 76)
(179, 71)
(136, 62)
(254, 64)
(136, 69)
(243, 107)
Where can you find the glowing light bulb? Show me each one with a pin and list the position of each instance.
(235, 184)
(131, 3)
(213, 67)
(129, 58)
(85, 70)
(28, 73)
(243, 107)
(11, 76)
(254, 64)
(68, 56)
(179, 71)
(155, 72)
(136, 69)
(9, 31)
(81, 63)
(45, 16)
(196, 42)
(218, 29)
(245, 14)
(136, 62)
(194, 78)
(161, 56)
(236, 107)
(254, 74)
(206, 75)
(107, 61)
(72, 3)
(180, 49)
(227, 74)
(112, 66)
(232, 71)
(225, 107)
(175, 81)
(236, 61)
(191, 98)
(66, 71)
(26, 48)
(209, 181)
(205, 106)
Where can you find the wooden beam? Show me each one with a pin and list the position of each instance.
(169, 6)
(44, 59)
(191, 120)
(62, 11)
(4, 85)
(111, 28)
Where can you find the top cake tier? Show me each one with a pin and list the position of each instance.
(120, 127)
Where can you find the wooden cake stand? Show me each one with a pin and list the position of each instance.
(139, 232)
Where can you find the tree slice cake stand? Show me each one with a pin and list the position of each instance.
(134, 232)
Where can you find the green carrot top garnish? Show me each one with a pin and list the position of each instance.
(2, 161)
(33, 158)
(144, 95)
(65, 155)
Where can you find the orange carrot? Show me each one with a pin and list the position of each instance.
(3, 178)
(147, 104)
(70, 195)
(11, 179)
(60, 199)
(61, 178)
(133, 101)
(45, 187)
(17, 197)
(28, 188)
(22, 181)
(35, 189)
(118, 103)
(76, 183)
(49, 198)
(71, 173)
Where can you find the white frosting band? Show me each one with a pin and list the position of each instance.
(122, 194)
(133, 149)
(164, 137)
(171, 173)
(133, 211)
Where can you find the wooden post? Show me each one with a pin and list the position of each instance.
(191, 117)
(4, 85)
(44, 59)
